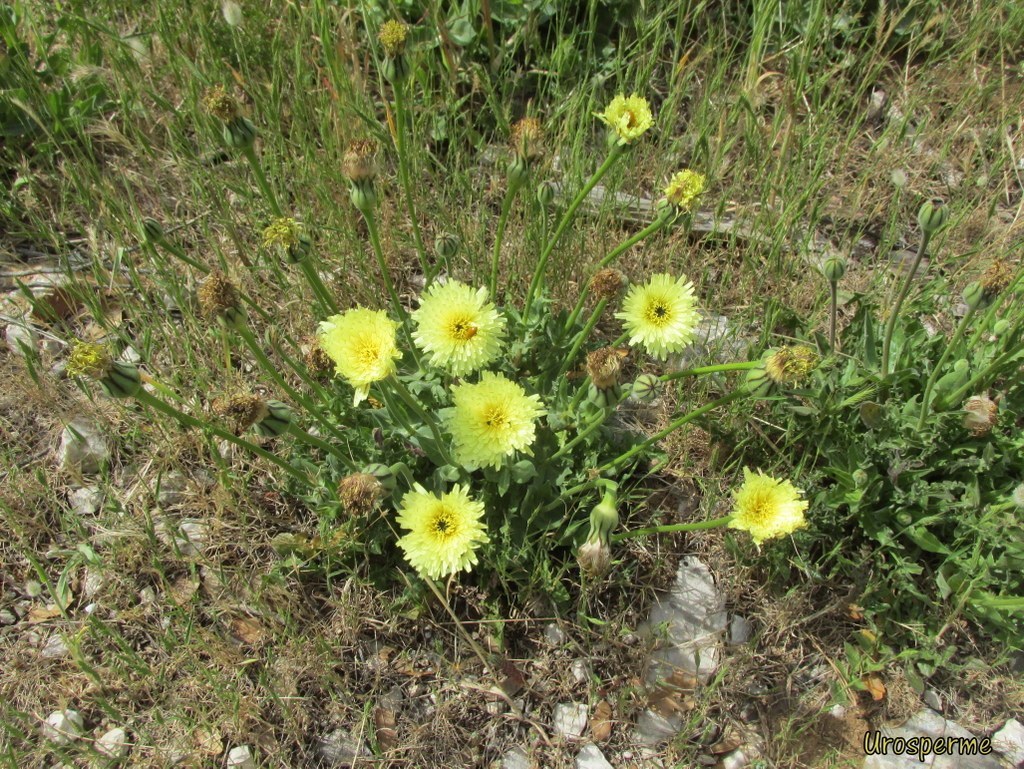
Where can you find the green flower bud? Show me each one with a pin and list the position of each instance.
(300, 249)
(1001, 327)
(645, 389)
(278, 420)
(363, 196)
(975, 296)
(757, 382)
(446, 245)
(834, 269)
(904, 519)
(546, 192)
(152, 230)
(121, 380)
(932, 216)
(604, 399)
(240, 133)
(384, 474)
(396, 69)
(604, 518)
(860, 478)
(518, 171)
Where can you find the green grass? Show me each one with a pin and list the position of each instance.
(241, 646)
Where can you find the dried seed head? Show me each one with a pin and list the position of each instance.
(594, 558)
(392, 38)
(604, 365)
(608, 283)
(996, 278)
(359, 493)
(222, 105)
(91, 360)
(791, 365)
(318, 362)
(527, 138)
(243, 410)
(360, 161)
(218, 298)
(283, 232)
(1018, 496)
(982, 414)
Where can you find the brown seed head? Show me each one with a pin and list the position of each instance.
(218, 297)
(608, 283)
(243, 410)
(392, 37)
(594, 558)
(603, 366)
(222, 105)
(360, 161)
(528, 138)
(359, 493)
(996, 278)
(981, 415)
(318, 362)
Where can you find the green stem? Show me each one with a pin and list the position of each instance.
(582, 336)
(299, 434)
(410, 400)
(316, 283)
(740, 366)
(225, 343)
(506, 206)
(538, 274)
(371, 226)
(650, 229)
(904, 290)
(261, 180)
(734, 395)
(582, 435)
(403, 172)
(934, 376)
(714, 523)
(146, 399)
(1002, 360)
(832, 317)
(986, 322)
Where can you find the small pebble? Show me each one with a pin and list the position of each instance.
(114, 744)
(241, 758)
(570, 719)
(63, 726)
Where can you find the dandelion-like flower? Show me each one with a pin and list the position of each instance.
(392, 37)
(684, 188)
(242, 410)
(88, 359)
(996, 278)
(283, 231)
(661, 315)
(456, 325)
(604, 365)
(1018, 496)
(981, 414)
(629, 117)
(790, 365)
(218, 298)
(444, 531)
(766, 507)
(361, 343)
(219, 103)
(491, 420)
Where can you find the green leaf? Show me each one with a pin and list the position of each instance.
(925, 540)
(523, 471)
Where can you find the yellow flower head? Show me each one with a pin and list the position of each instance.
(766, 507)
(661, 315)
(219, 103)
(790, 365)
(444, 531)
(87, 359)
(629, 117)
(491, 419)
(458, 327)
(283, 231)
(361, 343)
(683, 189)
(392, 37)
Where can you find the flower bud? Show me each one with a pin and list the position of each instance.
(981, 415)
(646, 388)
(300, 249)
(152, 230)
(975, 297)
(834, 269)
(278, 420)
(757, 383)
(518, 171)
(932, 215)
(1001, 327)
(363, 196)
(396, 69)
(546, 192)
(240, 133)
(384, 474)
(860, 478)
(604, 398)
(604, 518)
(594, 558)
(446, 245)
(118, 379)
(122, 380)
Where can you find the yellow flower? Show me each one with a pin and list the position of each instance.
(444, 531)
(87, 359)
(283, 231)
(790, 365)
(458, 327)
(392, 37)
(766, 507)
(629, 117)
(491, 419)
(661, 315)
(684, 188)
(361, 343)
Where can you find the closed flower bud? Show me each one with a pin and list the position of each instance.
(359, 493)
(932, 215)
(152, 230)
(646, 388)
(363, 196)
(757, 383)
(604, 518)
(360, 162)
(1001, 327)
(278, 420)
(240, 133)
(546, 192)
(834, 269)
(603, 366)
(594, 558)
(604, 398)
(518, 171)
(300, 249)
(446, 245)
(123, 380)
(981, 415)
(396, 69)
(860, 478)
(384, 474)
(975, 296)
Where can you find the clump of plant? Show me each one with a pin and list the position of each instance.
(451, 434)
(913, 439)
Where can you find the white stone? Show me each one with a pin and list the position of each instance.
(63, 726)
(580, 671)
(591, 757)
(93, 582)
(653, 728)
(173, 486)
(339, 748)
(7, 617)
(83, 447)
(241, 758)
(570, 719)
(927, 723)
(516, 758)
(20, 338)
(735, 760)
(1010, 741)
(86, 500)
(194, 538)
(114, 744)
(55, 648)
(739, 630)
(693, 619)
(554, 634)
